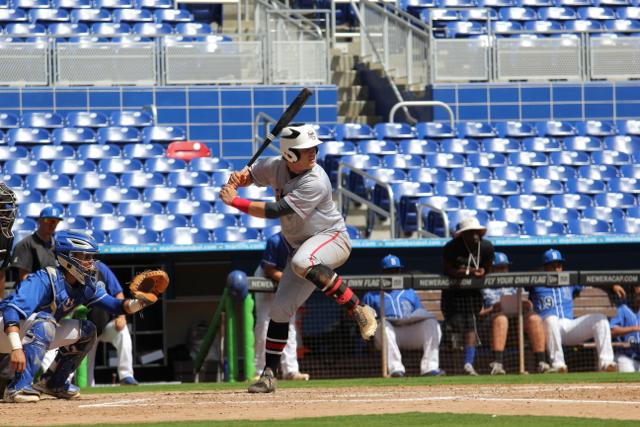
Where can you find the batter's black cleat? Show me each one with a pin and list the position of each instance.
(266, 383)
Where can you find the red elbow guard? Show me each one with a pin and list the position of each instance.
(241, 204)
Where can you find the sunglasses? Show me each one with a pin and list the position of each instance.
(50, 220)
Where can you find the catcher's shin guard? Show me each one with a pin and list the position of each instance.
(69, 357)
(332, 285)
(35, 345)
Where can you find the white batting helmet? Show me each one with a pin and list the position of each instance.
(296, 137)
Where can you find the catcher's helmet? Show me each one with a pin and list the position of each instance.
(75, 252)
(7, 210)
(296, 137)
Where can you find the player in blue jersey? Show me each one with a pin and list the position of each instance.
(555, 306)
(32, 319)
(625, 327)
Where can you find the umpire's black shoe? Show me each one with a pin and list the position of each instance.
(266, 383)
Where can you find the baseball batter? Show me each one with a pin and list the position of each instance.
(314, 229)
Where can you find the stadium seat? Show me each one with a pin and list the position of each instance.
(587, 226)
(164, 194)
(499, 187)
(603, 213)
(255, 222)
(598, 172)
(402, 161)
(161, 222)
(184, 236)
(596, 127)
(140, 179)
(623, 143)
(115, 194)
(89, 209)
(28, 136)
(570, 158)
(514, 173)
(502, 229)
(542, 144)
(517, 14)
(428, 175)
(66, 195)
(163, 134)
(133, 236)
(387, 131)
(22, 166)
(118, 135)
(267, 232)
(105, 29)
(376, 147)
(626, 226)
(8, 120)
(417, 146)
(496, 3)
(513, 215)
(173, 15)
(484, 202)
(455, 217)
(32, 210)
(455, 188)
(533, 202)
(625, 185)
(432, 219)
(211, 221)
(487, 160)
(582, 143)
(220, 178)
(154, 4)
(98, 151)
(505, 28)
(194, 29)
(109, 223)
(45, 181)
(94, 180)
(444, 160)
(208, 164)
(205, 194)
(555, 128)
(622, 26)
(28, 224)
(615, 200)
(572, 201)
(73, 223)
(235, 234)
(86, 119)
(353, 131)
(555, 13)
(558, 214)
(459, 146)
(188, 207)
(625, 127)
(132, 15)
(113, 4)
(586, 186)
(74, 136)
(164, 165)
(135, 119)
(187, 179)
(12, 181)
(478, 14)
(139, 208)
(469, 174)
(149, 29)
(515, 129)
(543, 27)
(543, 227)
(500, 145)
(463, 29)
(256, 193)
(434, 130)
(20, 29)
(118, 165)
(527, 158)
(581, 25)
(596, 13)
(557, 173)
(439, 16)
(630, 171)
(476, 130)
(142, 151)
(609, 157)
(13, 15)
(542, 186)
(48, 15)
(52, 152)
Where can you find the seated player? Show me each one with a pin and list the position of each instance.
(625, 327)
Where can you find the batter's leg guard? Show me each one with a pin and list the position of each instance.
(332, 286)
(35, 344)
(55, 381)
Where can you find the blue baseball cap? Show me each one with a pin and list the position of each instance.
(51, 212)
(390, 261)
(500, 258)
(552, 255)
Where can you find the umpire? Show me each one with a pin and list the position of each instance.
(466, 255)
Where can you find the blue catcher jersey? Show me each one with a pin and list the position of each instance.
(398, 304)
(40, 292)
(549, 301)
(276, 253)
(625, 317)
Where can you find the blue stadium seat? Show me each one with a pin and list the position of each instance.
(220, 178)
(73, 223)
(52, 152)
(455, 3)
(152, 29)
(86, 119)
(256, 193)
(603, 213)
(66, 195)
(557, 173)
(431, 215)
(25, 167)
(98, 152)
(353, 131)
(455, 217)
(622, 26)
(95, 180)
(267, 232)
(596, 13)
(133, 236)
(459, 146)
(434, 130)
(543, 227)
(527, 158)
(235, 234)
(496, 3)
(484, 202)
(624, 143)
(49, 15)
(132, 15)
(469, 174)
(324, 132)
(626, 127)
(444, 160)
(113, 4)
(32, 210)
(428, 175)
(487, 160)
(160, 222)
(103, 29)
(556, 13)
(609, 157)
(499, 187)
(633, 212)
(109, 223)
(139, 208)
(74, 136)
(142, 151)
(632, 12)
(542, 144)
(187, 179)
(502, 229)
(439, 16)
(558, 214)
(12, 181)
(582, 25)
(28, 224)
(572, 201)
(418, 146)
(68, 29)
(609, 3)
(154, 4)
(128, 118)
(194, 29)
(163, 134)
(570, 158)
(514, 173)
(19, 235)
(72, 166)
(516, 129)
(598, 172)
(13, 15)
(377, 147)
(20, 29)
(30, 4)
(205, 194)
(173, 15)
(118, 135)
(8, 153)
(588, 226)
(8, 120)
(533, 202)
(119, 165)
(402, 161)
(555, 128)
(185, 236)
(90, 209)
(630, 171)
(582, 143)
(534, 3)
(625, 185)
(28, 136)
(543, 27)
(141, 179)
(330, 153)
(164, 165)
(500, 145)
(455, 188)
(517, 14)
(542, 186)
(163, 194)
(504, 28)
(115, 194)
(188, 207)
(479, 14)
(209, 164)
(390, 176)
(255, 222)
(597, 127)
(41, 120)
(586, 186)
(514, 215)
(394, 131)
(463, 29)
(211, 221)
(477, 130)
(626, 226)
(615, 200)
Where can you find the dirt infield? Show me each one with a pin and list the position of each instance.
(615, 401)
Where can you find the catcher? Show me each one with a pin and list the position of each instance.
(32, 319)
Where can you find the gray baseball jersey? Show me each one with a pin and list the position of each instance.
(308, 194)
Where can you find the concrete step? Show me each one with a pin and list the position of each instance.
(345, 78)
(371, 119)
(356, 108)
(343, 62)
(352, 93)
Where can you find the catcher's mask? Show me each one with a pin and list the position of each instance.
(76, 253)
(7, 210)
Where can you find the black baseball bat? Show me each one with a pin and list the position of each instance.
(284, 120)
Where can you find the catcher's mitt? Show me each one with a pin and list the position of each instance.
(148, 285)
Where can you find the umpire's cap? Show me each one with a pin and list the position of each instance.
(552, 255)
(500, 259)
(51, 212)
(390, 262)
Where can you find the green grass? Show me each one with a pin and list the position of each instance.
(416, 419)
(586, 377)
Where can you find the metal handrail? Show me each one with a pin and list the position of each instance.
(300, 21)
(445, 219)
(405, 104)
(391, 213)
(267, 120)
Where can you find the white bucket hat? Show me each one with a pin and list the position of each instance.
(470, 223)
